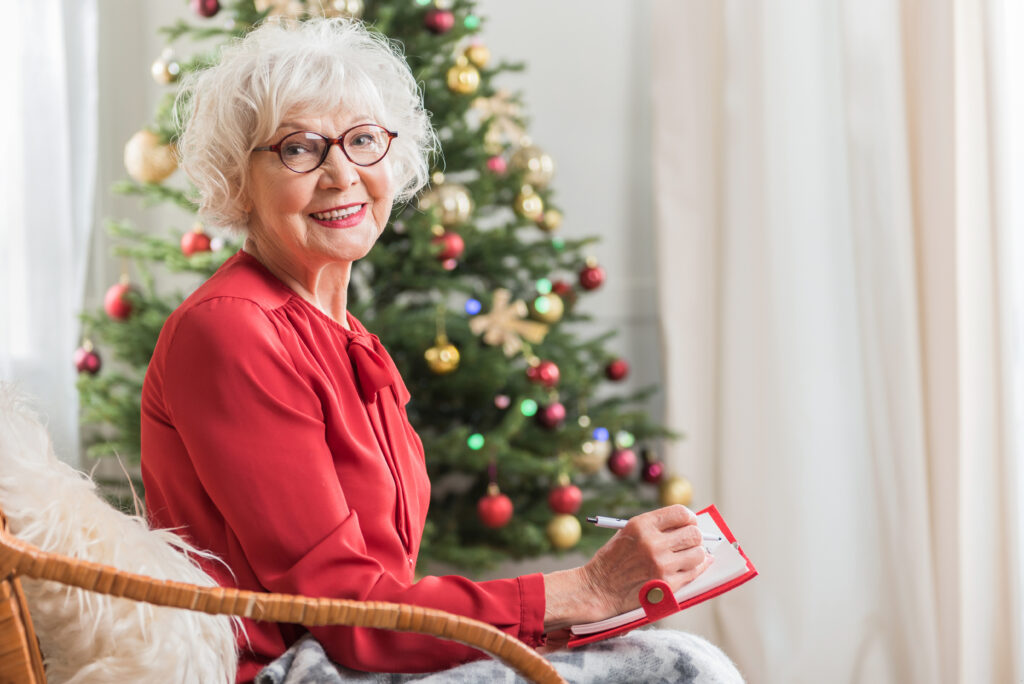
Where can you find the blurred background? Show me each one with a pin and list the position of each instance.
(810, 216)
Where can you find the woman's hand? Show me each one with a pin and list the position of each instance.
(661, 544)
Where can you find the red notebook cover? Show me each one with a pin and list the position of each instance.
(662, 603)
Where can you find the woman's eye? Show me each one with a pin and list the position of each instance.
(363, 140)
(295, 150)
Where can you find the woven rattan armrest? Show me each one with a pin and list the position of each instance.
(18, 558)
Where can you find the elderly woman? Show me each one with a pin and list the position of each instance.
(274, 430)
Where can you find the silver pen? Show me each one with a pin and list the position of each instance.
(619, 523)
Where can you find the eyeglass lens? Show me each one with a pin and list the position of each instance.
(306, 150)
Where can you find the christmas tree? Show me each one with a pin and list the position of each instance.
(471, 290)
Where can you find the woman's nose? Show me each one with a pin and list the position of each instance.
(338, 170)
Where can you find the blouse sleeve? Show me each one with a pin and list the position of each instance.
(253, 428)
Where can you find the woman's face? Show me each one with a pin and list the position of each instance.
(334, 213)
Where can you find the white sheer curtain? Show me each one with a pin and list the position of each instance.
(1006, 19)
(46, 188)
(841, 267)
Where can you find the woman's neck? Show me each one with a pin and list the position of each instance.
(325, 286)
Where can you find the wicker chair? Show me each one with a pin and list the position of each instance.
(21, 661)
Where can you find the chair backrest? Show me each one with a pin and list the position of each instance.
(20, 659)
(21, 662)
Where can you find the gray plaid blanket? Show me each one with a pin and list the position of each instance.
(651, 656)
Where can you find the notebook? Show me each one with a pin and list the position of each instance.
(730, 569)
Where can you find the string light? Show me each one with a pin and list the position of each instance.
(475, 441)
(473, 306)
(601, 434)
(528, 407)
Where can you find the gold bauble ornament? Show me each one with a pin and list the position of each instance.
(463, 78)
(551, 220)
(529, 204)
(592, 456)
(147, 159)
(442, 358)
(478, 55)
(452, 200)
(350, 9)
(564, 531)
(675, 490)
(547, 308)
(535, 163)
(165, 69)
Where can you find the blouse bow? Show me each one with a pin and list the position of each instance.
(374, 368)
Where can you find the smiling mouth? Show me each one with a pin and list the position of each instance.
(338, 214)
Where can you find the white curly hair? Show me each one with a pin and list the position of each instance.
(281, 67)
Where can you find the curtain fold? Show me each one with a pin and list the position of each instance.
(841, 332)
(47, 184)
(1004, 20)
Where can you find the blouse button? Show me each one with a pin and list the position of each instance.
(411, 561)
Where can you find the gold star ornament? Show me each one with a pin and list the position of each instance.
(507, 324)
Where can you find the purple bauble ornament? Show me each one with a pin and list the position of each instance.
(205, 8)
(653, 472)
(622, 462)
(552, 415)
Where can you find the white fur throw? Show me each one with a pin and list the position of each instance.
(86, 637)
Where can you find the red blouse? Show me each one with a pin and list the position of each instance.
(277, 439)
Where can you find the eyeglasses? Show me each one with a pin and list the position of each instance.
(305, 151)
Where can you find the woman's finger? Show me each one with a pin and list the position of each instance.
(691, 570)
(686, 537)
(668, 517)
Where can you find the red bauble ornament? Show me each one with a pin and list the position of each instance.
(205, 8)
(565, 499)
(497, 165)
(653, 471)
(87, 360)
(195, 241)
(495, 509)
(622, 462)
(439, 21)
(452, 246)
(545, 373)
(591, 276)
(116, 303)
(552, 415)
(616, 370)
